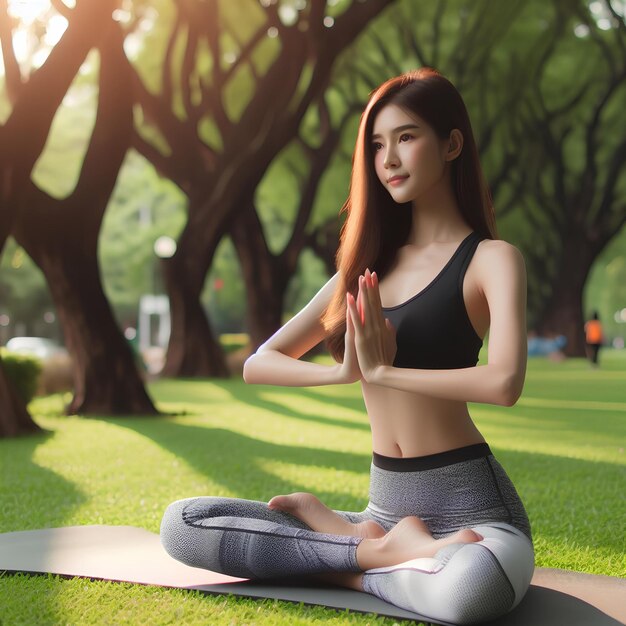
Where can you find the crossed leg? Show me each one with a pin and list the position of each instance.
(409, 539)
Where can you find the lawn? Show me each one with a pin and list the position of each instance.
(562, 444)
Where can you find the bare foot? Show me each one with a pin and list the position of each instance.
(319, 517)
(408, 539)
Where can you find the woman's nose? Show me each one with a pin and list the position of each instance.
(391, 159)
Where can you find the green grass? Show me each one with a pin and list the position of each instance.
(562, 444)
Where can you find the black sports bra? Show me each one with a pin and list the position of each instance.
(433, 330)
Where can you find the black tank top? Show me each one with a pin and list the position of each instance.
(433, 330)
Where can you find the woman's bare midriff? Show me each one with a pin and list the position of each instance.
(406, 424)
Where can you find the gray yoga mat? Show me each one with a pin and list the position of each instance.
(129, 554)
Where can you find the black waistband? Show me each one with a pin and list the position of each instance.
(431, 461)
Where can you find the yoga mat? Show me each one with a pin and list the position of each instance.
(129, 554)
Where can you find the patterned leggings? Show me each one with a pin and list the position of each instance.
(461, 488)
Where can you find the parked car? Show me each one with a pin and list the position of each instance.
(40, 347)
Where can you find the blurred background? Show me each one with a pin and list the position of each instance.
(173, 171)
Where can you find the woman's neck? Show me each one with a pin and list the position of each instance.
(437, 217)
(425, 231)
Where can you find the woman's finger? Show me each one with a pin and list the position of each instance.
(361, 302)
(367, 311)
(379, 304)
(353, 312)
(349, 324)
(373, 297)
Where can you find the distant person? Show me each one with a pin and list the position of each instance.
(594, 336)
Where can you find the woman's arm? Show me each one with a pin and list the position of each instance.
(502, 276)
(276, 362)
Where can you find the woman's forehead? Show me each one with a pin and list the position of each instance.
(391, 116)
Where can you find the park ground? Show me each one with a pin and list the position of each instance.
(562, 444)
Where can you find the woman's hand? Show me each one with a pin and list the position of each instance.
(375, 336)
(349, 371)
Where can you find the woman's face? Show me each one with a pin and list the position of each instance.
(407, 149)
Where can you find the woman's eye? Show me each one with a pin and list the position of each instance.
(405, 136)
(376, 146)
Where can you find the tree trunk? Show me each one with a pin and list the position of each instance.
(105, 375)
(14, 418)
(266, 276)
(563, 313)
(193, 350)
(324, 242)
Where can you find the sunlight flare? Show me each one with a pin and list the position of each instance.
(37, 30)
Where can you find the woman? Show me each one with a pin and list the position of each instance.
(445, 533)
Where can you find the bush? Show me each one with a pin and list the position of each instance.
(56, 375)
(23, 373)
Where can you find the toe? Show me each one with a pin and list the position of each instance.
(278, 502)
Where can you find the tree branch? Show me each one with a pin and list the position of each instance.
(591, 144)
(12, 71)
(617, 165)
(111, 134)
(167, 70)
(213, 39)
(193, 113)
(165, 166)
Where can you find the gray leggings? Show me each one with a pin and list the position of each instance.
(462, 488)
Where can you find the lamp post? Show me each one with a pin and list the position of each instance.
(164, 248)
(156, 304)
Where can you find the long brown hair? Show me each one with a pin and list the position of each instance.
(369, 237)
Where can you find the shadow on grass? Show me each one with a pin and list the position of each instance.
(197, 393)
(252, 395)
(235, 461)
(568, 428)
(31, 497)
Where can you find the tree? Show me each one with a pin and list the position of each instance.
(575, 164)
(23, 136)
(61, 236)
(266, 274)
(220, 171)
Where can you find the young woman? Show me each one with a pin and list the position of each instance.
(420, 278)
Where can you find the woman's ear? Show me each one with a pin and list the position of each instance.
(455, 144)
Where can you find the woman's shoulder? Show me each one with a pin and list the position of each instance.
(496, 258)
(492, 250)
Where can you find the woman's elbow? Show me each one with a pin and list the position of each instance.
(510, 390)
(248, 369)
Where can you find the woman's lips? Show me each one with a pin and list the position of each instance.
(397, 180)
